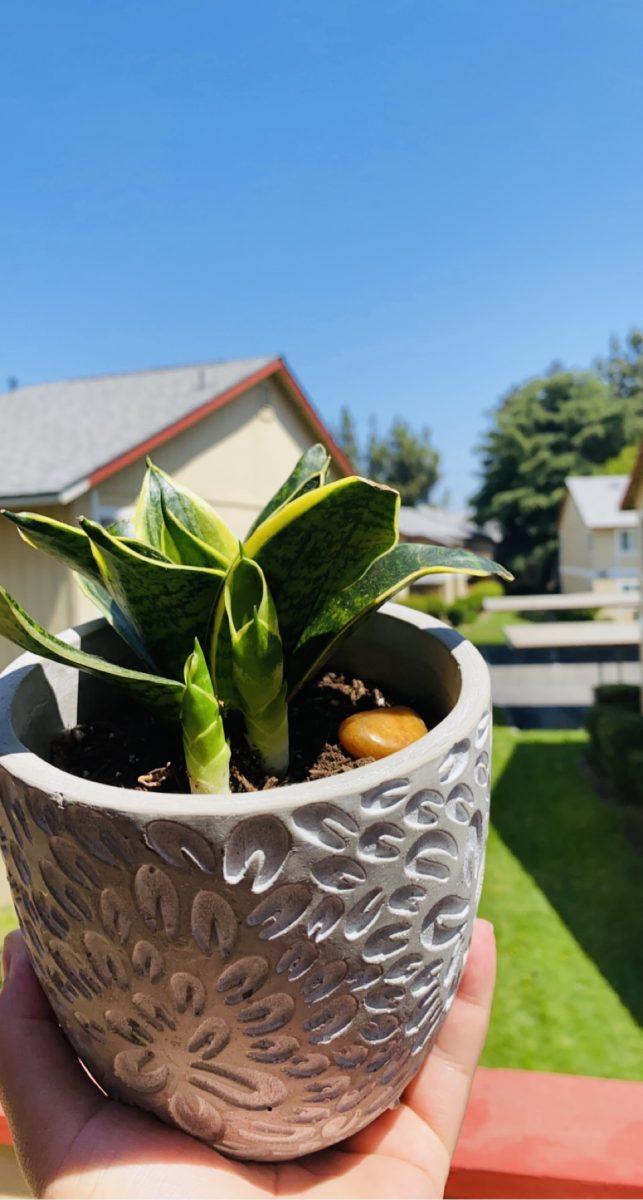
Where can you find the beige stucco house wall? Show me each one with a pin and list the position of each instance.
(235, 458)
(598, 544)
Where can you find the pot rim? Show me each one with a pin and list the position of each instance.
(36, 772)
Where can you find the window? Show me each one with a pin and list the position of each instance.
(626, 541)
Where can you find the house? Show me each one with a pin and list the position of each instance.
(439, 527)
(598, 541)
(231, 431)
(632, 503)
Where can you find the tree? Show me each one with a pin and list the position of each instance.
(623, 367)
(404, 459)
(621, 464)
(563, 423)
(346, 435)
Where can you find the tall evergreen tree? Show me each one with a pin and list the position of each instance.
(563, 423)
(405, 459)
(346, 435)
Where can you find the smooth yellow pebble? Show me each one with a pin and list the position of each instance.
(380, 731)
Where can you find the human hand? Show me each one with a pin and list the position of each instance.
(72, 1141)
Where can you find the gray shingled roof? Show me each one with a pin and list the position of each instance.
(598, 500)
(441, 526)
(54, 435)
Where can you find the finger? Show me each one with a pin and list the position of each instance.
(441, 1090)
(42, 1085)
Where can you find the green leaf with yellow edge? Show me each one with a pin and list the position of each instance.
(308, 473)
(66, 543)
(168, 604)
(338, 616)
(258, 663)
(101, 598)
(161, 695)
(319, 544)
(207, 753)
(148, 523)
(191, 550)
(194, 514)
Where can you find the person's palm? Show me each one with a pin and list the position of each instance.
(74, 1142)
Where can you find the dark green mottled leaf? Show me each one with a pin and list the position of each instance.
(148, 523)
(167, 604)
(192, 551)
(161, 695)
(388, 575)
(66, 543)
(319, 544)
(101, 598)
(122, 528)
(194, 514)
(147, 551)
(308, 473)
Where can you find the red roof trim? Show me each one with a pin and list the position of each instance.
(297, 392)
(277, 367)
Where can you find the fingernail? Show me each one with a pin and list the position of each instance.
(490, 925)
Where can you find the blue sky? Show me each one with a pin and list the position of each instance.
(419, 202)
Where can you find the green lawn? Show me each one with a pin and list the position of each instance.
(562, 888)
(488, 627)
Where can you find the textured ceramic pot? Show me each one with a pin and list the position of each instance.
(265, 971)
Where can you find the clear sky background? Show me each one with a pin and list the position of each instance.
(419, 202)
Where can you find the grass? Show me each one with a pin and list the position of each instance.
(562, 889)
(488, 628)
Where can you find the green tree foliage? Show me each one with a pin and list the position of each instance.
(621, 464)
(346, 435)
(623, 370)
(405, 459)
(563, 423)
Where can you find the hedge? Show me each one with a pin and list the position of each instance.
(615, 727)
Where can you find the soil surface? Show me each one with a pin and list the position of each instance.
(136, 751)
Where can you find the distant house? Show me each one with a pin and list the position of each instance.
(598, 539)
(231, 431)
(439, 527)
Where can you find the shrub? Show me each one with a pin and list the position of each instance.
(434, 606)
(486, 588)
(619, 695)
(559, 614)
(616, 737)
(464, 610)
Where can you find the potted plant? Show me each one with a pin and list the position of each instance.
(254, 941)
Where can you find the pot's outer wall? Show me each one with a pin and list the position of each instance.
(268, 983)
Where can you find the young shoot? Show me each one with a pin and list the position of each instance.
(258, 663)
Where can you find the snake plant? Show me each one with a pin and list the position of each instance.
(214, 625)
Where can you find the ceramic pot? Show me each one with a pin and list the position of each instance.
(265, 971)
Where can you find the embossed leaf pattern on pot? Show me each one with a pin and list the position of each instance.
(267, 984)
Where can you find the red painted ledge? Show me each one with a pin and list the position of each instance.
(530, 1134)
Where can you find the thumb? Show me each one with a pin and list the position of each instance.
(42, 1084)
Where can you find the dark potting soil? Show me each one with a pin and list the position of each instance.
(136, 751)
